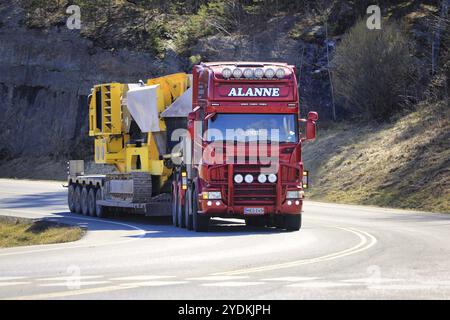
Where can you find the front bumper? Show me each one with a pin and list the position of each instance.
(217, 208)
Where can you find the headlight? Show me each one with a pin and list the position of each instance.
(259, 73)
(280, 73)
(262, 178)
(272, 178)
(248, 73)
(269, 73)
(249, 178)
(226, 73)
(237, 73)
(213, 195)
(238, 178)
(293, 195)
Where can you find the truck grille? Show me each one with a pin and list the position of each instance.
(254, 194)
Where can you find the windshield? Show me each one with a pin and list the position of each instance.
(252, 127)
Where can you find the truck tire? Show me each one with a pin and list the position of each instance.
(293, 222)
(200, 222)
(100, 211)
(258, 222)
(174, 206)
(84, 201)
(180, 213)
(188, 209)
(77, 199)
(91, 202)
(71, 197)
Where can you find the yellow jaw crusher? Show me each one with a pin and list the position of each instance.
(130, 134)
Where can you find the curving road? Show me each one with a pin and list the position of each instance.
(342, 252)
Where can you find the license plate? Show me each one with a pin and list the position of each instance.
(253, 210)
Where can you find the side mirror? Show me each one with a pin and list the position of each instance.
(311, 125)
(313, 116)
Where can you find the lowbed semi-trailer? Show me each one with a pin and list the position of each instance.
(224, 142)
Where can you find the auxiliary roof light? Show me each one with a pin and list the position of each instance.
(249, 178)
(269, 73)
(262, 178)
(280, 73)
(248, 73)
(259, 73)
(237, 73)
(226, 73)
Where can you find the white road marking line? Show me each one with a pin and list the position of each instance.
(218, 278)
(320, 284)
(7, 284)
(407, 287)
(374, 281)
(72, 283)
(232, 284)
(366, 241)
(154, 283)
(65, 246)
(291, 279)
(69, 278)
(141, 278)
(11, 278)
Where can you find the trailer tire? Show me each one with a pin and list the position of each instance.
(174, 201)
(200, 222)
(71, 197)
(84, 201)
(100, 211)
(188, 209)
(180, 213)
(77, 199)
(293, 222)
(91, 202)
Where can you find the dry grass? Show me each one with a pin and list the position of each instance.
(405, 164)
(20, 233)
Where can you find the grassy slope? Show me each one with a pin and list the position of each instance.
(403, 164)
(14, 234)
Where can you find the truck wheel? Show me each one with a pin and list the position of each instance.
(77, 199)
(293, 222)
(84, 201)
(200, 222)
(91, 202)
(255, 221)
(180, 213)
(174, 207)
(100, 211)
(188, 210)
(71, 198)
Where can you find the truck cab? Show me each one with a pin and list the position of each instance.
(243, 153)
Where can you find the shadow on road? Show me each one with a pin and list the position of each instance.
(157, 227)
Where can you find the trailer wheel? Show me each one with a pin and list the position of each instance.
(84, 201)
(293, 222)
(91, 202)
(77, 199)
(71, 197)
(100, 211)
(188, 209)
(174, 206)
(180, 213)
(200, 222)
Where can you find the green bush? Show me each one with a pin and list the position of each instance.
(373, 70)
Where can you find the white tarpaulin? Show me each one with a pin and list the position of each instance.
(181, 107)
(142, 102)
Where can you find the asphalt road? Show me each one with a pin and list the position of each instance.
(342, 252)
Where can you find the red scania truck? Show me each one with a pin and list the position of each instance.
(242, 156)
(224, 142)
